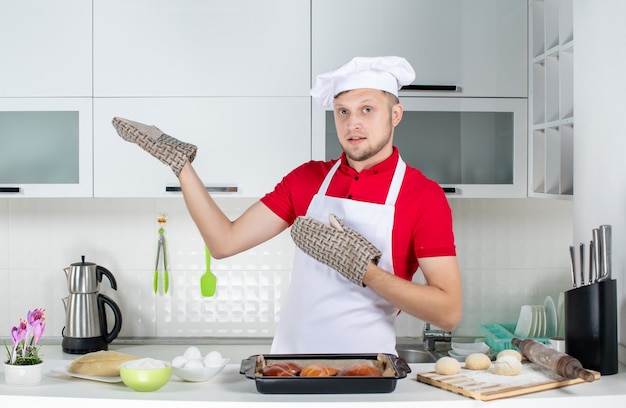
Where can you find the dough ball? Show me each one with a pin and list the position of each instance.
(447, 366)
(507, 365)
(477, 361)
(510, 352)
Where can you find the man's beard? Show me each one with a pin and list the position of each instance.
(362, 155)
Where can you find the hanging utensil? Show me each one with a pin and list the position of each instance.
(208, 281)
(161, 254)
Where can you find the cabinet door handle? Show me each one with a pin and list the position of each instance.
(449, 190)
(210, 189)
(418, 87)
(9, 189)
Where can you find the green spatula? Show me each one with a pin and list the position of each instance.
(208, 281)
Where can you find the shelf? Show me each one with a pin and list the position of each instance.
(538, 29)
(566, 77)
(567, 160)
(552, 89)
(569, 121)
(551, 96)
(551, 10)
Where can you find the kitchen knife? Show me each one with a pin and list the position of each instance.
(596, 254)
(572, 260)
(591, 274)
(605, 239)
(581, 254)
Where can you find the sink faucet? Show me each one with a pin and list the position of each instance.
(430, 337)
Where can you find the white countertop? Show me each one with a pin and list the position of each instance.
(232, 389)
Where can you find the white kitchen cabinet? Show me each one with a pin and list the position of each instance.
(46, 48)
(551, 95)
(480, 46)
(244, 144)
(201, 48)
(45, 147)
(472, 147)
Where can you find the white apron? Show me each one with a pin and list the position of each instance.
(325, 312)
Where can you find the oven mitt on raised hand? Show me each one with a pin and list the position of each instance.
(169, 150)
(335, 245)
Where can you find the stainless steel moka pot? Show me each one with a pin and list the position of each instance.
(86, 328)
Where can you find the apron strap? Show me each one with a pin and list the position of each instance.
(328, 178)
(396, 183)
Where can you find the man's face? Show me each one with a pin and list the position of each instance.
(365, 119)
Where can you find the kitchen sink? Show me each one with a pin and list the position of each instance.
(415, 353)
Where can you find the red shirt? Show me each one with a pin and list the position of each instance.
(423, 219)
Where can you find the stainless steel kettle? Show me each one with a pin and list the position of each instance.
(86, 327)
(85, 277)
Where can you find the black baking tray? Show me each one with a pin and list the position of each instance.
(394, 368)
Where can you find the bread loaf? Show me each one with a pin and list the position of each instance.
(282, 369)
(102, 363)
(318, 370)
(278, 370)
(359, 370)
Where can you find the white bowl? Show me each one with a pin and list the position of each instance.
(465, 349)
(199, 374)
(457, 357)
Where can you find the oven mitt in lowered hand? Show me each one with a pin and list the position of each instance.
(169, 150)
(335, 245)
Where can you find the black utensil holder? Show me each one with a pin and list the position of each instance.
(591, 326)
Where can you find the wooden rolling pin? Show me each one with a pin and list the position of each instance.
(561, 363)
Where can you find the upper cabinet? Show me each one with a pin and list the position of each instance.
(478, 46)
(245, 144)
(472, 138)
(551, 119)
(201, 48)
(231, 77)
(46, 147)
(46, 48)
(473, 147)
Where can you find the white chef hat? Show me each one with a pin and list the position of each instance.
(384, 73)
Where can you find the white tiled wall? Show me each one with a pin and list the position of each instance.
(511, 251)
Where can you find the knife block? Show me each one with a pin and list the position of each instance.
(591, 326)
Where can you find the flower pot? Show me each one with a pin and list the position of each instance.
(22, 374)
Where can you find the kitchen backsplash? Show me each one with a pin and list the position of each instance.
(511, 252)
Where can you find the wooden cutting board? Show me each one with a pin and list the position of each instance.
(486, 385)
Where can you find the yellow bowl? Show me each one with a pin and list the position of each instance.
(145, 379)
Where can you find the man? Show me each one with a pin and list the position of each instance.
(352, 277)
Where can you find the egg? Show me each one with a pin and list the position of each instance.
(179, 361)
(193, 353)
(213, 359)
(193, 364)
